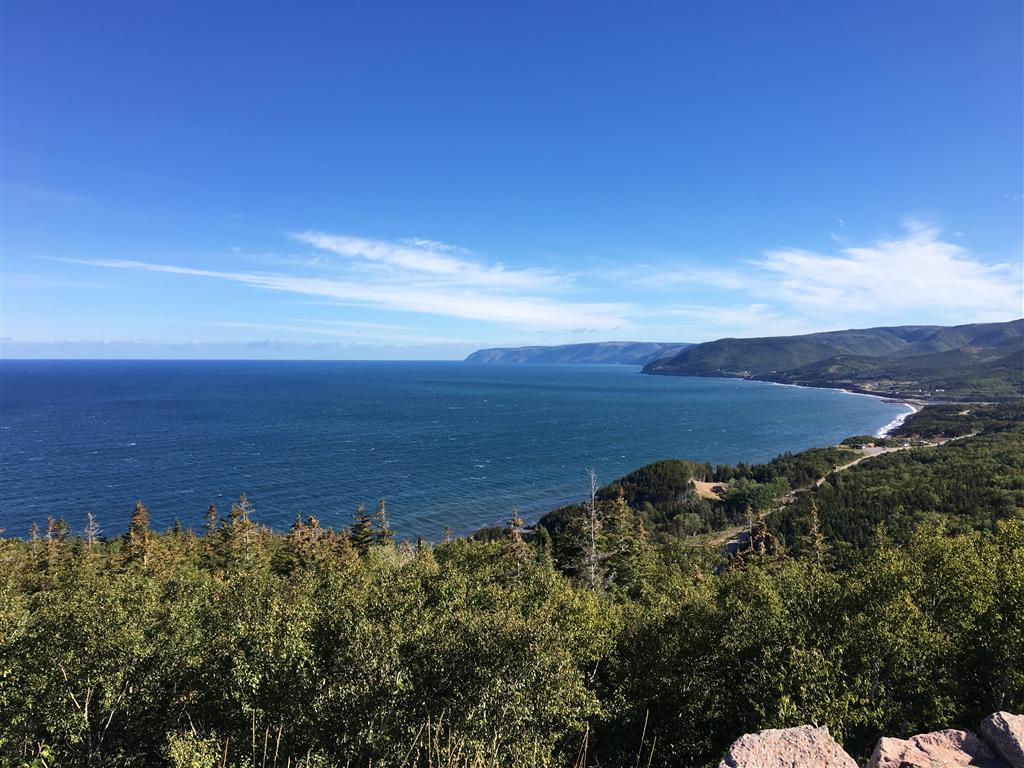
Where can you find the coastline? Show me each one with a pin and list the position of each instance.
(896, 423)
(913, 405)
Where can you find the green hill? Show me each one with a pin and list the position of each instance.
(975, 361)
(605, 352)
(889, 599)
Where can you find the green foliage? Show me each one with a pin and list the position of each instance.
(660, 495)
(601, 352)
(484, 653)
(966, 484)
(967, 362)
(187, 750)
(859, 441)
(749, 496)
(901, 610)
(223, 644)
(909, 639)
(954, 420)
(361, 530)
(799, 470)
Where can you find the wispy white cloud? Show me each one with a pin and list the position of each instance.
(915, 275)
(356, 332)
(430, 259)
(917, 271)
(409, 296)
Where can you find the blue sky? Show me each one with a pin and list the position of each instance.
(419, 180)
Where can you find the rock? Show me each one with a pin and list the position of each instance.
(803, 747)
(1005, 734)
(941, 749)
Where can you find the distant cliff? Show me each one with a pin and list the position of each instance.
(606, 352)
(980, 361)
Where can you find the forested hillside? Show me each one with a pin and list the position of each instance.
(967, 484)
(889, 600)
(967, 362)
(603, 352)
(962, 484)
(240, 647)
(662, 495)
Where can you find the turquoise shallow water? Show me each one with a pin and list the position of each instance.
(447, 443)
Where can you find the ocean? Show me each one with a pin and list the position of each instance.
(447, 444)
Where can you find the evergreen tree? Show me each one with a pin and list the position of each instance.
(139, 534)
(241, 511)
(540, 540)
(624, 541)
(361, 531)
(384, 533)
(814, 541)
(518, 549)
(762, 542)
(211, 521)
(57, 530)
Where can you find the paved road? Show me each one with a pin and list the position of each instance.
(738, 537)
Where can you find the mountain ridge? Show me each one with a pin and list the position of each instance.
(593, 353)
(946, 362)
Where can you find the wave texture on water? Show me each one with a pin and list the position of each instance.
(446, 443)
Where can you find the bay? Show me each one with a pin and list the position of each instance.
(448, 444)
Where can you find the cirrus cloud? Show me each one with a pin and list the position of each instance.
(917, 276)
(407, 293)
(428, 259)
(917, 270)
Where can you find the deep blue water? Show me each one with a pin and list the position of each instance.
(447, 443)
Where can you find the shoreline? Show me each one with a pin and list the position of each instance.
(896, 423)
(912, 404)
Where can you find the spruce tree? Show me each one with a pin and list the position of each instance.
(211, 521)
(139, 534)
(57, 530)
(241, 530)
(519, 551)
(384, 533)
(361, 530)
(241, 510)
(623, 540)
(541, 541)
(814, 541)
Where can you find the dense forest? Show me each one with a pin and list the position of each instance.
(601, 637)
(601, 352)
(982, 361)
(968, 483)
